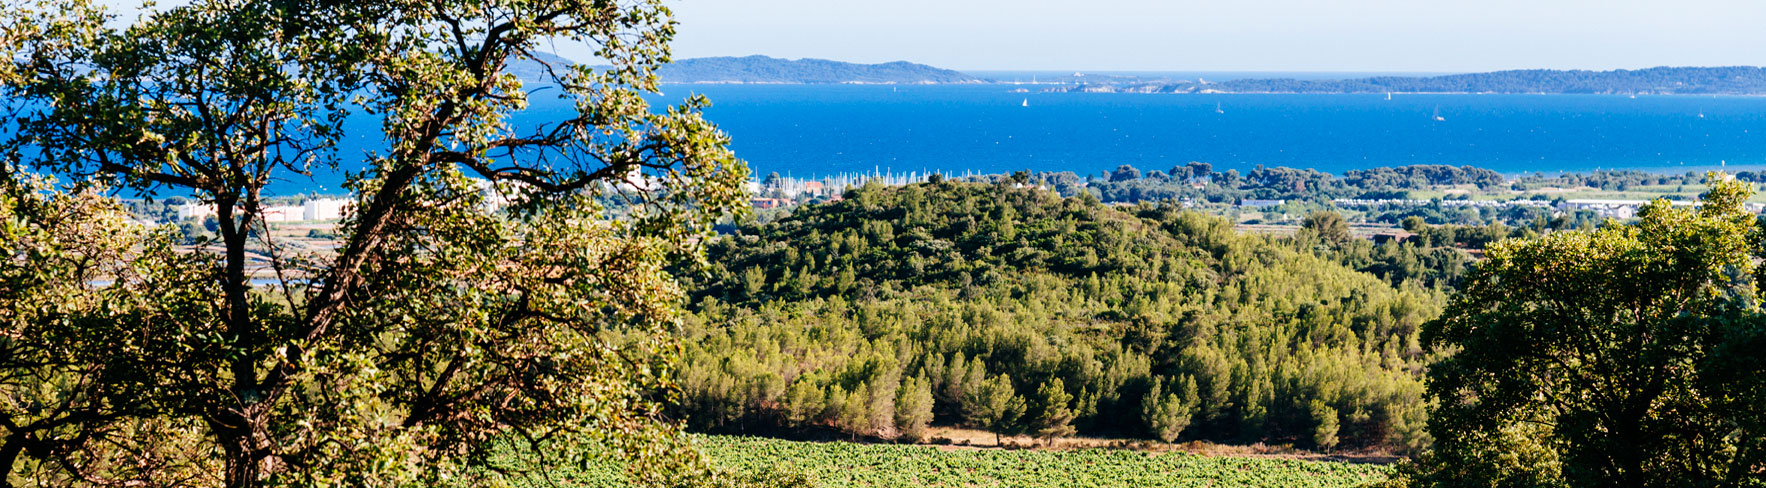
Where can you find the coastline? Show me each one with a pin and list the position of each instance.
(1057, 87)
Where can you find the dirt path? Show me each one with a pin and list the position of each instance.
(951, 440)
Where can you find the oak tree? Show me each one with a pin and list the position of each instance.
(438, 333)
(1606, 357)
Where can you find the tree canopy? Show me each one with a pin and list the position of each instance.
(437, 332)
(1624, 356)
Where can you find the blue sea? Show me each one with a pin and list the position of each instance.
(818, 130)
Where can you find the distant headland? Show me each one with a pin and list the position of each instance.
(1731, 80)
(764, 70)
(769, 70)
(1726, 80)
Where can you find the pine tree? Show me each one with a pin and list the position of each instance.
(835, 403)
(855, 413)
(1168, 414)
(1324, 418)
(880, 414)
(1053, 412)
(844, 281)
(995, 407)
(1328, 227)
(913, 408)
(804, 402)
(974, 378)
(804, 283)
(754, 282)
(955, 374)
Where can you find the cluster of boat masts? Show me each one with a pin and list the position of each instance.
(1437, 116)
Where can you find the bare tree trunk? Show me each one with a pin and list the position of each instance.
(9, 451)
(236, 425)
(242, 470)
(237, 434)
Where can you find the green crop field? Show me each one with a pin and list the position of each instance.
(842, 464)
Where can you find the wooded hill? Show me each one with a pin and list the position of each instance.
(1015, 310)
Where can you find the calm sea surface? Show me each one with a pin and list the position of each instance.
(818, 130)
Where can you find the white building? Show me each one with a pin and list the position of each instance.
(313, 210)
(497, 195)
(319, 209)
(195, 211)
(636, 180)
(283, 213)
(1618, 209)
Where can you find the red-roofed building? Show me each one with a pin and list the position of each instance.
(769, 202)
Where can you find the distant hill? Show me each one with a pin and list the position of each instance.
(1734, 80)
(939, 292)
(763, 69)
(535, 69)
(769, 70)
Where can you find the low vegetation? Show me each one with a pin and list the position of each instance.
(850, 465)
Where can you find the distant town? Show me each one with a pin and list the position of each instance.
(774, 191)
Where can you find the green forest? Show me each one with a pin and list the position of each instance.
(1015, 310)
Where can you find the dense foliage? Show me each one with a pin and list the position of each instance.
(1624, 356)
(436, 328)
(61, 395)
(1420, 260)
(1009, 308)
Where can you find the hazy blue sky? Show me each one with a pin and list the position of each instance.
(1278, 35)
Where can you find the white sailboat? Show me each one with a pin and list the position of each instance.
(1217, 108)
(1026, 102)
(1438, 117)
(1701, 113)
(1388, 95)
